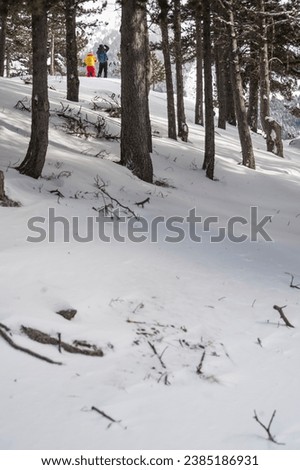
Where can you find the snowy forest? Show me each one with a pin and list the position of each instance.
(150, 224)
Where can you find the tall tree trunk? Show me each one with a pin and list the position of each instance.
(230, 108)
(209, 156)
(199, 115)
(221, 83)
(221, 45)
(2, 192)
(271, 128)
(52, 54)
(243, 128)
(34, 160)
(181, 120)
(134, 91)
(148, 78)
(71, 51)
(163, 4)
(3, 30)
(252, 114)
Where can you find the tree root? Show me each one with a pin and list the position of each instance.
(8, 339)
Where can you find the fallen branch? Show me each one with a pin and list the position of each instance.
(120, 204)
(156, 353)
(25, 350)
(112, 420)
(142, 203)
(282, 315)
(105, 415)
(165, 377)
(4, 327)
(44, 338)
(112, 199)
(20, 105)
(137, 322)
(199, 368)
(267, 428)
(294, 286)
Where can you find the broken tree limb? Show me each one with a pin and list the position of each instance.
(156, 353)
(268, 428)
(294, 286)
(105, 415)
(44, 338)
(199, 368)
(113, 199)
(282, 315)
(4, 327)
(142, 203)
(112, 420)
(25, 350)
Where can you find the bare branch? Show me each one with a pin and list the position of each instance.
(156, 353)
(199, 368)
(267, 428)
(282, 315)
(295, 286)
(25, 350)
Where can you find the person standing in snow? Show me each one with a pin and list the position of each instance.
(102, 59)
(90, 61)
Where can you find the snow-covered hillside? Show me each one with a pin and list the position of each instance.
(154, 307)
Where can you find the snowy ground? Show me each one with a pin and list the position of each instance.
(181, 299)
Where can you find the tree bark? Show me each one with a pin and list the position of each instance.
(71, 51)
(199, 114)
(209, 156)
(52, 55)
(230, 108)
(269, 125)
(35, 158)
(243, 128)
(181, 120)
(221, 82)
(3, 30)
(134, 91)
(252, 114)
(2, 192)
(163, 4)
(148, 79)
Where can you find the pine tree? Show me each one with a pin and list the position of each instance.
(35, 158)
(163, 23)
(181, 119)
(158, 73)
(134, 91)
(209, 155)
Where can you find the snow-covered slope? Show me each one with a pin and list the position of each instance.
(153, 306)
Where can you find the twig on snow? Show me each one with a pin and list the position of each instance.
(103, 190)
(159, 356)
(25, 350)
(199, 368)
(294, 286)
(112, 420)
(142, 203)
(267, 428)
(282, 315)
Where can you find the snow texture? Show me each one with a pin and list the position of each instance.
(153, 307)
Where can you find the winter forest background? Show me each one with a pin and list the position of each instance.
(150, 225)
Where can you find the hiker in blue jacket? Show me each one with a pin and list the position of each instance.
(102, 59)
